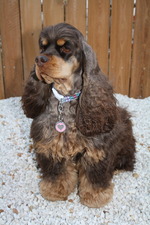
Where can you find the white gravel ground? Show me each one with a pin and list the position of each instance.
(20, 200)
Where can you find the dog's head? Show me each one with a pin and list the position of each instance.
(69, 63)
(61, 56)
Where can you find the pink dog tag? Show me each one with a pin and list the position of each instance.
(60, 126)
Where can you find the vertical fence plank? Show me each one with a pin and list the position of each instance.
(98, 30)
(1, 79)
(76, 14)
(140, 77)
(11, 45)
(2, 94)
(120, 45)
(53, 12)
(31, 26)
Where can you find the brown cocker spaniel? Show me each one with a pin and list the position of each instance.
(80, 135)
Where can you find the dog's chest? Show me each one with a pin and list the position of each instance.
(53, 141)
(67, 144)
(62, 145)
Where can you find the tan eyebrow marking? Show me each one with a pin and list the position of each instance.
(61, 42)
(44, 41)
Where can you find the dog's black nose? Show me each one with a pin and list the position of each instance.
(40, 60)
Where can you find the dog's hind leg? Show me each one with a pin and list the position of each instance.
(125, 159)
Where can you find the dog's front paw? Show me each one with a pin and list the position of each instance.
(54, 191)
(95, 197)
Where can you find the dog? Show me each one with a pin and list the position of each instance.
(80, 134)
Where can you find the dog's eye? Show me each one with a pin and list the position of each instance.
(65, 50)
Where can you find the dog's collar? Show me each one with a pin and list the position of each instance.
(60, 126)
(64, 99)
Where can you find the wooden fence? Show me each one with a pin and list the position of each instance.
(118, 30)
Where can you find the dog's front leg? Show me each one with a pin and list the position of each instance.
(59, 177)
(95, 174)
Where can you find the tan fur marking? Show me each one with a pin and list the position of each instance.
(94, 155)
(92, 196)
(64, 86)
(59, 148)
(44, 41)
(58, 71)
(61, 42)
(116, 172)
(62, 187)
(37, 70)
(53, 148)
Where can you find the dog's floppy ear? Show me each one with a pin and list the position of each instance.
(96, 111)
(35, 96)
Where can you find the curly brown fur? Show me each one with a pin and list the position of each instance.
(59, 188)
(98, 139)
(93, 195)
